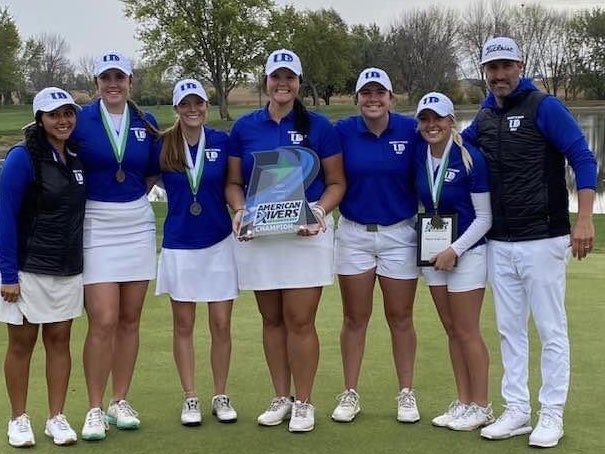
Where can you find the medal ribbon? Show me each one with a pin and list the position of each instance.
(117, 140)
(436, 183)
(194, 170)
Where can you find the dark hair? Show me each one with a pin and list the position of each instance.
(155, 132)
(302, 119)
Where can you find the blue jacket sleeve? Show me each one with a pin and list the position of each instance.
(17, 175)
(561, 129)
(470, 134)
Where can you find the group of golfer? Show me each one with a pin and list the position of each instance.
(77, 231)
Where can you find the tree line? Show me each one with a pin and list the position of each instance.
(225, 43)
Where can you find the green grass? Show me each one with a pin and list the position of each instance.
(156, 392)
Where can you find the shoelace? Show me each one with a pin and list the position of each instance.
(276, 403)
(61, 422)
(23, 424)
(96, 417)
(300, 409)
(222, 401)
(125, 409)
(547, 419)
(347, 399)
(509, 412)
(456, 408)
(191, 404)
(406, 400)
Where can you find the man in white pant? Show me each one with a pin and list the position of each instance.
(526, 136)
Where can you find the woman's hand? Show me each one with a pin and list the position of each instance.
(10, 292)
(445, 260)
(236, 225)
(319, 226)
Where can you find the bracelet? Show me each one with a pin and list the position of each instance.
(239, 209)
(320, 209)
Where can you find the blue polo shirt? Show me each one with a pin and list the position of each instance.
(140, 157)
(458, 184)
(379, 170)
(256, 131)
(182, 230)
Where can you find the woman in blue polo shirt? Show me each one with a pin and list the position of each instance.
(452, 179)
(197, 261)
(376, 238)
(287, 272)
(119, 150)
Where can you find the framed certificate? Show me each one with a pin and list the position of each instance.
(436, 232)
(275, 201)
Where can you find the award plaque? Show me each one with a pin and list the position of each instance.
(436, 232)
(275, 201)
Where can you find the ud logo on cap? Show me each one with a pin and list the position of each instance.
(282, 57)
(58, 95)
(188, 86)
(111, 57)
(430, 100)
(372, 75)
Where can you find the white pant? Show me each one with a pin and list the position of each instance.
(530, 276)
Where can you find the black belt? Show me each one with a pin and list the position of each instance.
(371, 227)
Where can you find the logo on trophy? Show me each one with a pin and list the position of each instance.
(276, 202)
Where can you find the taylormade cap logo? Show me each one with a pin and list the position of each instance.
(283, 58)
(187, 87)
(500, 48)
(376, 75)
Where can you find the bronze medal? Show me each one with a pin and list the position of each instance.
(120, 176)
(195, 209)
(437, 222)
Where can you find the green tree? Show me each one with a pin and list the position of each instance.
(368, 49)
(10, 79)
(217, 40)
(588, 40)
(321, 40)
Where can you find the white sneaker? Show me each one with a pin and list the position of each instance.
(455, 410)
(122, 415)
(511, 423)
(60, 431)
(473, 418)
(303, 417)
(20, 432)
(222, 409)
(407, 411)
(191, 414)
(348, 406)
(549, 430)
(279, 409)
(95, 425)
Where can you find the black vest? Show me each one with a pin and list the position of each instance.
(527, 175)
(52, 218)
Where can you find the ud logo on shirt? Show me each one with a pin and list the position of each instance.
(398, 145)
(139, 133)
(450, 175)
(296, 137)
(212, 154)
(79, 176)
(514, 121)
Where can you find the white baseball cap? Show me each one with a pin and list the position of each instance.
(500, 48)
(113, 59)
(438, 103)
(51, 98)
(283, 58)
(188, 87)
(373, 75)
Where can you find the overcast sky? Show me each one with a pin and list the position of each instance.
(91, 26)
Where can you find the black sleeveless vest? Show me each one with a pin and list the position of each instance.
(527, 175)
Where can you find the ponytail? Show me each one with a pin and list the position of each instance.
(155, 132)
(172, 156)
(302, 121)
(466, 156)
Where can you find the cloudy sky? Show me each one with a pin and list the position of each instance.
(91, 26)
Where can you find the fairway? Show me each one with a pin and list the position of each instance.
(156, 392)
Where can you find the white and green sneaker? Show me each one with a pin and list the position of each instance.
(122, 415)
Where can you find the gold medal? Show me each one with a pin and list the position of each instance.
(437, 222)
(195, 209)
(120, 176)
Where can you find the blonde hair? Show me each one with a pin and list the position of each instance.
(467, 159)
(172, 156)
